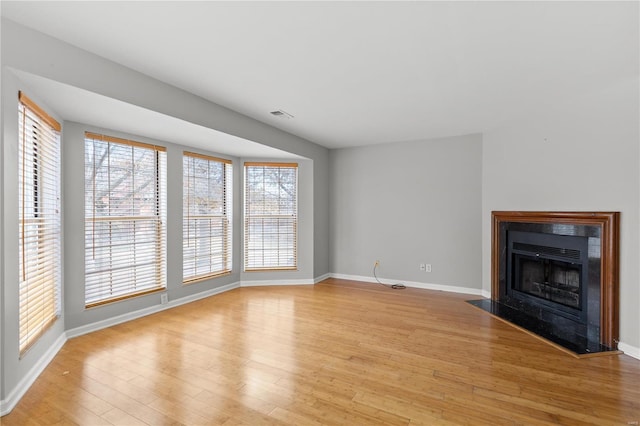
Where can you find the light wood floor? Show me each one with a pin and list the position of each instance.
(339, 352)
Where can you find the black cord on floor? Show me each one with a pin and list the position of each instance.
(398, 286)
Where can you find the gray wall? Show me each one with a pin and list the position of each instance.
(580, 154)
(405, 204)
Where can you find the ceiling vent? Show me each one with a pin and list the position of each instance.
(282, 114)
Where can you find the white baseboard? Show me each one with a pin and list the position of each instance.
(414, 284)
(6, 405)
(321, 278)
(632, 351)
(486, 294)
(99, 325)
(361, 278)
(266, 283)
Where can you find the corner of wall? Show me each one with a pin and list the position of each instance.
(632, 351)
(7, 404)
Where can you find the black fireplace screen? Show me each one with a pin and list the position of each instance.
(548, 272)
(551, 280)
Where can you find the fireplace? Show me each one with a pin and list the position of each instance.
(555, 274)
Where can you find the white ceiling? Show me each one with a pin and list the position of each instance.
(359, 73)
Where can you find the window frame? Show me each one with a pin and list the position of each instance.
(225, 217)
(157, 220)
(40, 245)
(249, 263)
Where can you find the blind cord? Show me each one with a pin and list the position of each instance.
(398, 286)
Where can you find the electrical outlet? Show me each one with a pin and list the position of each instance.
(428, 267)
(164, 298)
(423, 267)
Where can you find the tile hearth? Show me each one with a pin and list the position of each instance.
(561, 333)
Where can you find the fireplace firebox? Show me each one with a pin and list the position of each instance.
(548, 271)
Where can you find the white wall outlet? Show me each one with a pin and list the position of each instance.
(423, 267)
(428, 267)
(164, 298)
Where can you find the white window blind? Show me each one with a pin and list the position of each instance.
(125, 219)
(271, 216)
(206, 217)
(39, 221)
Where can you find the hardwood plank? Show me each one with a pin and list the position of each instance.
(339, 352)
(118, 417)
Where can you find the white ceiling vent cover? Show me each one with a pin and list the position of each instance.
(282, 114)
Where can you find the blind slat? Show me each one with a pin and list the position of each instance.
(206, 157)
(121, 141)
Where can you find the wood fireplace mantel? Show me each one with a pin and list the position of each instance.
(609, 223)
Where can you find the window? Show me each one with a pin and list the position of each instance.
(206, 217)
(39, 221)
(271, 216)
(125, 219)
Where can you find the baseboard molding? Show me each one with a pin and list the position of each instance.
(414, 284)
(268, 283)
(486, 294)
(632, 351)
(6, 405)
(321, 278)
(99, 325)
(352, 277)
